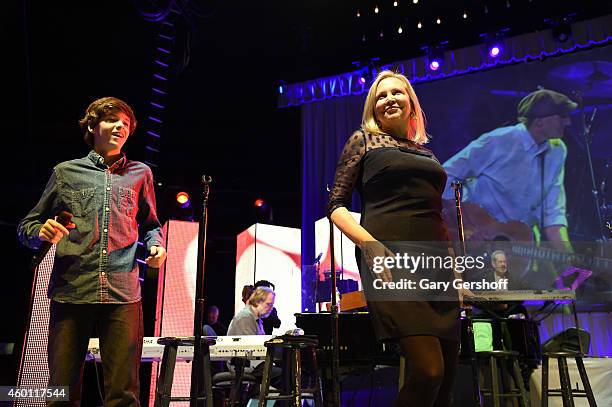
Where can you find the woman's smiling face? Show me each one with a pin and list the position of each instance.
(392, 103)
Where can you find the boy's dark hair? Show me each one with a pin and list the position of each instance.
(100, 108)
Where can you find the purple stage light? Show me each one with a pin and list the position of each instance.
(362, 80)
(494, 51)
(434, 65)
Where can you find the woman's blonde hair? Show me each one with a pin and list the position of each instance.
(417, 117)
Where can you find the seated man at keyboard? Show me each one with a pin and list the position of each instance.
(248, 322)
(271, 321)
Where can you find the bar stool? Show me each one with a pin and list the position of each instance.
(163, 389)
(499, 369)
(566, 392)
(237, 382)
(292, 347)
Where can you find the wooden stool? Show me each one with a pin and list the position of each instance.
(498, 370)
(292, 346)
(163, 389)
(566, 392)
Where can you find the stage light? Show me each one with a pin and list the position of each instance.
(262, 211)
(259, 203)
(281, 87)
(399, 30)
(365, 75)
(494, 51)
(419, 25)
(494, 43)
(366, 70)
(561, 27)
(562, 32)
(438, 21)
(183, 199)
(358, 14)
(376, 9)
(464, 16)
(395, 4)
(435, 56)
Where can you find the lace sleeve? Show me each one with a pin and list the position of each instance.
(347, 171)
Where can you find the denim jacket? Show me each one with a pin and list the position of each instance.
(96, 262)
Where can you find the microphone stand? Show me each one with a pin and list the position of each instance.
(197, 368)
(317, 266)
(588, 138)
(335, 365)
(457, 186)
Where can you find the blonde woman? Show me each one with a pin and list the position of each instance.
(400, 183)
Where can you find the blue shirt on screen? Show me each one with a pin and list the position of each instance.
(502, 172)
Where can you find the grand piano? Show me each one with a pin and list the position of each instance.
(358, 345)
(357, 342)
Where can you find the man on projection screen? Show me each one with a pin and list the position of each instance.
(516, 173)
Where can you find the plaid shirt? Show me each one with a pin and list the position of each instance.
(96, 262)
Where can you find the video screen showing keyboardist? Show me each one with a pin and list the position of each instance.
(499, 273)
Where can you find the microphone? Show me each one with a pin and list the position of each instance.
(63, 218)
(295, 332)
(593, 116)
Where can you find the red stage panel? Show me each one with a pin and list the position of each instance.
(175, 298)
(269, 252)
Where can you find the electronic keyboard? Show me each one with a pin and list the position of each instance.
(226, 347)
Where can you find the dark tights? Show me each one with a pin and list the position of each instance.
(431, 366)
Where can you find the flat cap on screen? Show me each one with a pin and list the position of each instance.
(545, 102)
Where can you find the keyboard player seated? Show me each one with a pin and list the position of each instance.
(248, 321)
(497, 272)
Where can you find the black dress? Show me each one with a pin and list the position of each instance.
(401, 185)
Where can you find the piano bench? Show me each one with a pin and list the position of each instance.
(163, 388)
(566, 392)
(292, 347)
(499, 369)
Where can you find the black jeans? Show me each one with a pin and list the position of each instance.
(121, 331)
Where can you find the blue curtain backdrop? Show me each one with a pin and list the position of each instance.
(325, 128)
